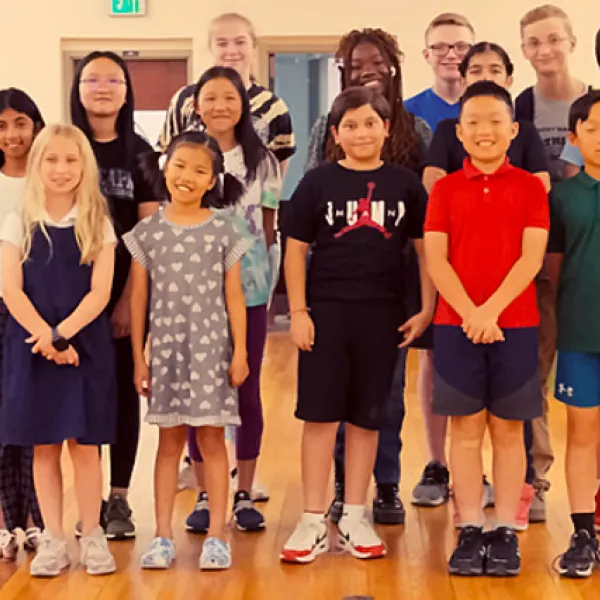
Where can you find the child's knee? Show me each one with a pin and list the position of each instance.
(508, 434)
(211, 440)
(468, 431)
(171, 442)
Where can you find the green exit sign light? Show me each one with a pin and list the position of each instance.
(127, 8)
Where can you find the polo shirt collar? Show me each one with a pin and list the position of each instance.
(472, 172)
(587, 180)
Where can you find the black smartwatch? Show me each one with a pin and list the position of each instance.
(60, 343)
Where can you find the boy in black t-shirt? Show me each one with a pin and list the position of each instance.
(357, 215)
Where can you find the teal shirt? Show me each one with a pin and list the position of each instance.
(575, 232)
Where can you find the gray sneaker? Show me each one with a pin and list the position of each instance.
(95, 555)
(51, 557)
(434, 487)
(119, 524)
(537, 510)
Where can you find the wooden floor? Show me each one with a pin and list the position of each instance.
(415, 568)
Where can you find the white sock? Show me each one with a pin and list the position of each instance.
(316, 518)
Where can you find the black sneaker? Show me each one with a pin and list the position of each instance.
(102, 520)
(337, 504)
(434, 487)
(503, 557)
(581, 558)
(119, 524)
(469, 555)
(245, 515)
(387, 506)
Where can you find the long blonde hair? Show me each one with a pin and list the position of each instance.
(92, 209)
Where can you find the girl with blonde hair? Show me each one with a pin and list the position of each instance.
(57, 267)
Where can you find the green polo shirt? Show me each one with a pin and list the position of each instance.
(575, 232)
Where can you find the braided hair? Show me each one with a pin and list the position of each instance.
(403, 145)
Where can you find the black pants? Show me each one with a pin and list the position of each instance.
(123, 452)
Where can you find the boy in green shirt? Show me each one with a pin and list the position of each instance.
(574, 265)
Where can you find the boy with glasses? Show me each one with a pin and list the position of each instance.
(447, 38)
(547, 43)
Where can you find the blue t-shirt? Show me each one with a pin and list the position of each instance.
(572, 155)
(431, 108)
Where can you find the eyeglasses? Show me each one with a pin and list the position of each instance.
(442, 49)
(552, 42)
(96, 82)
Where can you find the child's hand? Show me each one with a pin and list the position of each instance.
(141, 378)
(302, 330)
(121, 319)
(414, 327)
(479, 322)
(42, 343)
(68, 357)
(238, 370)
(490, 336)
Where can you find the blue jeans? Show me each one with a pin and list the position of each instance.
(387, 464)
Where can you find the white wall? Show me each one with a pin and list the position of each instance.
(32, 29)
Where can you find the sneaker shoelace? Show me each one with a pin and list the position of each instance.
(434, 474)
(469, 538)
(6, 537)
(118, 509)
(388, 493)
(580, 546)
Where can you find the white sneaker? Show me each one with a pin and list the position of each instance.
(186, 479)
(8, 545)
(310, 538)
(358, 537)
(95, 555)
(51, 557)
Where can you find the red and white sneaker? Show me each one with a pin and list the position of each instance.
(358, 537)
(522, 518)
(310, 538)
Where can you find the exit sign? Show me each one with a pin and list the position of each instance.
(127, 8)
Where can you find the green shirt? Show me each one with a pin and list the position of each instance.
(575, 232)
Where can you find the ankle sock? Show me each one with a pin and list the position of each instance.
(584, 522)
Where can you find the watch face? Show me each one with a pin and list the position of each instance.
(60, 344)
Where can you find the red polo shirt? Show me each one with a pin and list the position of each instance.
(484, 216)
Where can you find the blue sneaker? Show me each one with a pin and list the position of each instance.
(199, 519)
(160, 555)
(245, 516)
(216, 555)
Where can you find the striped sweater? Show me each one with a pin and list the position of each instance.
(270, 115)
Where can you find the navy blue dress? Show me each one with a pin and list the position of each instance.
(46, 403)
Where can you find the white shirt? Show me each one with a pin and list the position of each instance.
(12, 228)
(11, 192)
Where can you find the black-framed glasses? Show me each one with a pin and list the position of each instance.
(442, 49)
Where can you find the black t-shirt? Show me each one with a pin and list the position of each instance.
(124, 187)
(358, 223)
(526, 150)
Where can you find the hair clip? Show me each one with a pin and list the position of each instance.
(162, 161)
(393, 71)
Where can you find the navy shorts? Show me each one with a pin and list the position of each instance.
(502, 378)
(347, 377)
(578, 379)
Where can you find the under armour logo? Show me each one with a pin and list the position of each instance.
(563, 389)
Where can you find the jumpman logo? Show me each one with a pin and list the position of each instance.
(363, 212)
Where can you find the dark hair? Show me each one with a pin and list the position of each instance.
(581, 108)
(124, 126)
(355, 97)
(403, 145)
(20, 102)
(225, 193)
(482, 48)
(598, 47)
(253, 148)
(487, 88)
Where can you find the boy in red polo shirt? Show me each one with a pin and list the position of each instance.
(485, 236)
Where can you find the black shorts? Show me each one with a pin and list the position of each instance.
(502, 378)
(348, 375)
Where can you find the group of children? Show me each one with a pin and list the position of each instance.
(129, 272)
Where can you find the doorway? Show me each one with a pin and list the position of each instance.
(157, 71)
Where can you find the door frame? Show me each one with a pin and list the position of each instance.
(73, 49)
(291, 44)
